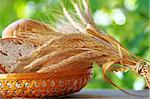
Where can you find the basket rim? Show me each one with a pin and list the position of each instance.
(34, 75)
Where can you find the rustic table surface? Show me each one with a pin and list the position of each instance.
(103, 94)
(113, 94)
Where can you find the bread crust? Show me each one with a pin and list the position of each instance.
(24, 40)
(26, 25)
(31, 30)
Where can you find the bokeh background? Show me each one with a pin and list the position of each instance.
(126, 20)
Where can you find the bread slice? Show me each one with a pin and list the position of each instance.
(11, 49)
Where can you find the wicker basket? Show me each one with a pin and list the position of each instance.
(41, 84)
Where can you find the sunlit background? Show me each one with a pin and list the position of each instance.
(126, 20)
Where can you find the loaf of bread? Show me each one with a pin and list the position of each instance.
(29, 29)
(11, 49)
(28, 26)
(19, 39)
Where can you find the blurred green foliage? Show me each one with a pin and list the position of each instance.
(133, 33)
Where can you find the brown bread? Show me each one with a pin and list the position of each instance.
(11, 49)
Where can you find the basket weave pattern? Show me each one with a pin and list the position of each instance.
(42, 87)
